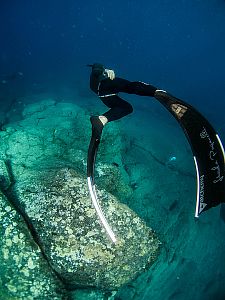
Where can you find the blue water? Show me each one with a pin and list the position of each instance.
(176, 45)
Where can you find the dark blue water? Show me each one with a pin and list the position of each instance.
(176, 45)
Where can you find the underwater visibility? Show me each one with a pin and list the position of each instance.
(112, 162)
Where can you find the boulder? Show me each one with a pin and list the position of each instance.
(58, 205)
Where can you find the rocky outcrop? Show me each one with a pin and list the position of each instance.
(76, 244)
(24, 272)
(57, 135)
(42, 173)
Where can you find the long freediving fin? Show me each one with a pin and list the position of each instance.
(207, 150)
(92, 153)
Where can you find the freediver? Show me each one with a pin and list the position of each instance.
(207, 148)
(106, 85)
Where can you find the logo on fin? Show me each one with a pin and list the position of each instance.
(202, 206)
(179, 109)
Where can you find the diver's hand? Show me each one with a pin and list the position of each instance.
(110, 74)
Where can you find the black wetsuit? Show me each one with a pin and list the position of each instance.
(108, 89)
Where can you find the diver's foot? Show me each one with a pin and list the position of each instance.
(97, 125)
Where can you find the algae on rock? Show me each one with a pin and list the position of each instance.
(24, 273)
(58, 205)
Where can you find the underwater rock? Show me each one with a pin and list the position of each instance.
(39, 151)
(5, 180)
(108, 177)
(91, 294)
(57, 134)
(75, 243)
(24, 273)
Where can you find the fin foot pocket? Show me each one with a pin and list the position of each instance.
(97, 127)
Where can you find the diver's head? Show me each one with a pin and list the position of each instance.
(97, 69)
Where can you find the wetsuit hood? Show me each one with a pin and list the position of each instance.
(97, 69)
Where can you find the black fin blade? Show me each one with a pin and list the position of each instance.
(207, 149)
(92, 153)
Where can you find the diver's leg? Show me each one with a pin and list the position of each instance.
(140, 88)
(119, 108)
(130, 87)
